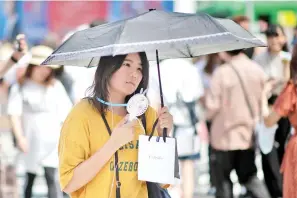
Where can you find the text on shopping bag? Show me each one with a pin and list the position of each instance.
(156, 159)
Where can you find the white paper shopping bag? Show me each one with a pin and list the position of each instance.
(265, 137)
(156, 160)
(188, 143)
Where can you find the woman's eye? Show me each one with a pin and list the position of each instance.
(126, 64)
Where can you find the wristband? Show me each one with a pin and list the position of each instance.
(13, 59)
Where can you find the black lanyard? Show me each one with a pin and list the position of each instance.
(116, 159)
(118, 183)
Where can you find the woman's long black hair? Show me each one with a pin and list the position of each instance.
(293, 65)
(107, 66)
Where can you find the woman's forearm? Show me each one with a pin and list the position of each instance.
(17, 126)
(5, 66)
(271, 119)
(88, 169)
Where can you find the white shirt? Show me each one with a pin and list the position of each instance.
(43, 110)
(178, 76)
(273, 66)
(82, 80)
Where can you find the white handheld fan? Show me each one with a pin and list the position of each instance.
(137, 105)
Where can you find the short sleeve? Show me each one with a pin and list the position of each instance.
(15, 101)
(286, 101)
(192, 87)
(73, 146)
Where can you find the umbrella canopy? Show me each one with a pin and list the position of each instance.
(174, 35)
(162, 35)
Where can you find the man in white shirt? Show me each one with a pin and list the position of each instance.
(181, 85)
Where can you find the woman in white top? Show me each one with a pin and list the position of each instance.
(206, 70)
(38, 106)
(275, 62)
(182, 88)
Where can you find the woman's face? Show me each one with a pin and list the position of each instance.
(276, 42)
(282, 37)
(41, 73)
(127, 78)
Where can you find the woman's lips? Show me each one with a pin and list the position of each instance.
(131, 83)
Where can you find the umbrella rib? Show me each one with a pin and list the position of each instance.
(120, 34)
(180, 51)
(89, 65)
(123, 26)
(189, 51)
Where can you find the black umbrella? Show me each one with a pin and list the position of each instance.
(160, 34)
(175, 35)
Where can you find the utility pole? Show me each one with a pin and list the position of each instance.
(250, 11)
(185, 6)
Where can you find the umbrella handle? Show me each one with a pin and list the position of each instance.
(161, 92)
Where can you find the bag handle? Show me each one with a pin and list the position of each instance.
(118, 183)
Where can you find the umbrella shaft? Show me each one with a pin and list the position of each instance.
(159, 78)
(161, 92)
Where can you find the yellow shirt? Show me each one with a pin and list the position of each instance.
(83, 134)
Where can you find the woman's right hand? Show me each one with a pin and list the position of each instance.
(21, 48)
(268, 87)
(22, 144)
(123, 133)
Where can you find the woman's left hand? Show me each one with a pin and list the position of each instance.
(165, 121)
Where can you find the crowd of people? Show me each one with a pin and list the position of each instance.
(49, 112)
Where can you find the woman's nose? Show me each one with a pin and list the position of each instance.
(134, 74)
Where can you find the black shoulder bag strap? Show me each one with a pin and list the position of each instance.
(246, 98)
(244, 91)
(194, 119)
(116, 159)
(191, 110)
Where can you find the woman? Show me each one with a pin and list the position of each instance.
(38, 105)
(275, 63)
(181, 91)
(213, 61)
(10, 58)
(285, 106)
(86, 150)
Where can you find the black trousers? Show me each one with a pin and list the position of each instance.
(52, 184)
(210, 161)
(272, 176)
(243, 161)
(272, 161)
